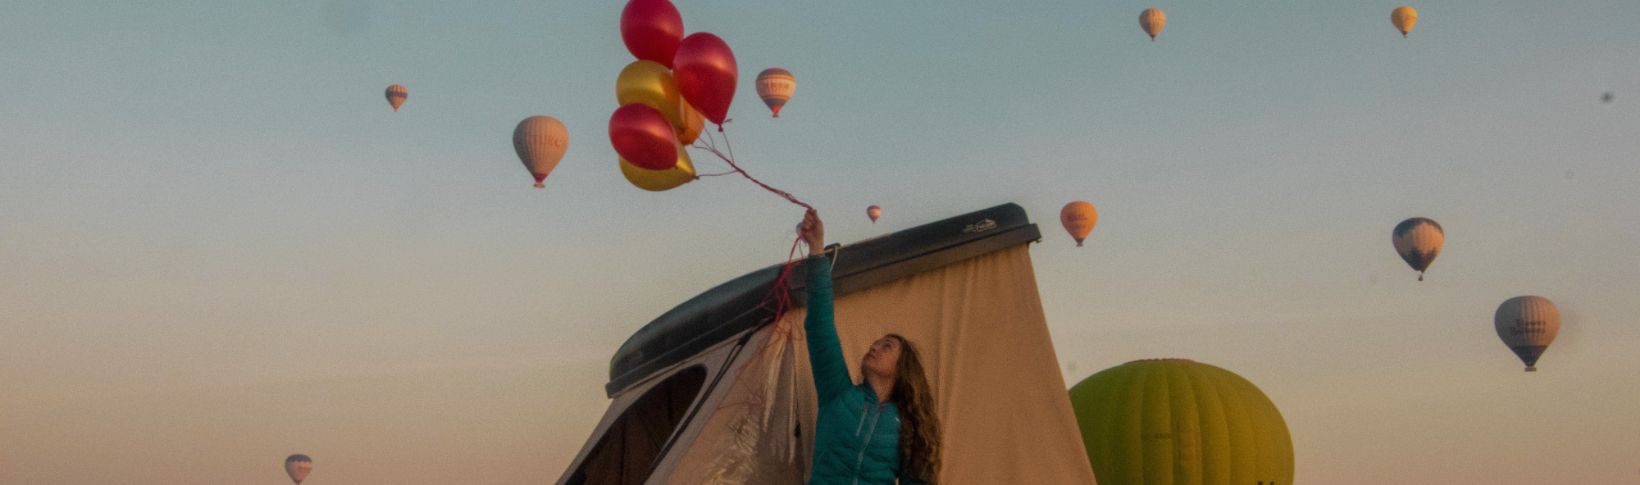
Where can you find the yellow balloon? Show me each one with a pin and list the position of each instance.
(1404, 18)
(660, 180)
(693, 123)
(651, 84)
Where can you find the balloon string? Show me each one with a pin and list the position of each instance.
(779, 300)
(729, 158)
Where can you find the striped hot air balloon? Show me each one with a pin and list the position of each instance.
(874, 212)
(396, 94)
(1152, 20)
(540, 142)
(1527, 324)
(298, 466)
(775, 86)
(1418, 240)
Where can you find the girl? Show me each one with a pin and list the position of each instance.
(873, 432)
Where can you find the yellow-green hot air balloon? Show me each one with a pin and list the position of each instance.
(1527, 324)
(1152, 20)
(298, 466)
(1418, 240)
(540, 142)
(1179, 422)
(1404, 18)
(396, 94)
(776, 86)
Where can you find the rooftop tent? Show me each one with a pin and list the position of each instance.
(714, 392)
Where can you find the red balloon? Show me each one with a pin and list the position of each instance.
(652, 30)
(642, 136)
(706, 74)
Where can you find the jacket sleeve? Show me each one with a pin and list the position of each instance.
(825, 351)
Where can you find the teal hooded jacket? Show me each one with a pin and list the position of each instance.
(857, 439)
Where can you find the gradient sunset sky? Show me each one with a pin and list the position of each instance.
(219, 246)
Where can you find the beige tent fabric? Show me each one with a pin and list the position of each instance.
(979, 325)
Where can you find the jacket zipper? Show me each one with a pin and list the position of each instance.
(858, 462)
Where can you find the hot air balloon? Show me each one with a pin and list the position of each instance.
(298, 467)
(1179, 422)
(1527, 324)
(540, 142)
(775, 86)
(1606, 98)
(396, 94)
(1404, 18)
(874, 212)
(1152, 20)
(1418, 240)
(1078, 218)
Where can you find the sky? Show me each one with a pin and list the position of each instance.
(220, 246)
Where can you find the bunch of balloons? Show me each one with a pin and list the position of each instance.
(667, 94)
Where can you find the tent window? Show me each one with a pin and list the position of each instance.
(628, 451)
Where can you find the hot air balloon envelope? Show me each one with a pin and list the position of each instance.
(396, 94)
(298, 467)
(1418, 240)
(1152, 20)
(1078, 218)
(1404, 18)
(1527, 324)
(1178, 422)
(540, 142)
(775, 86)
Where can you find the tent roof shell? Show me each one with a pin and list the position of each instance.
(728, 310)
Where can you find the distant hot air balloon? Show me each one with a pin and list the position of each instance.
(298, 467)
(1418, 240)
(1404, 18)
(1152, 20)
(1078, 218)
(396, 94)
(540, 142)
(1606, 98)
(874, 212)
(1527, 324)
(1179, 422)
(775, 86)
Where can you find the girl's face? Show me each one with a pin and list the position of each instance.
(883, 358)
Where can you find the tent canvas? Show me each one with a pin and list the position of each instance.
(962, 290)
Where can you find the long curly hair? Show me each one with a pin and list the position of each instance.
(919, 427)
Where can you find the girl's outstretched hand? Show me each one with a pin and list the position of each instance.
(814, 233)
